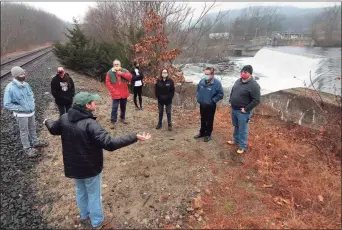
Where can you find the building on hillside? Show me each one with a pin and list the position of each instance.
(292, 38)
(225, 35)
(291, 35)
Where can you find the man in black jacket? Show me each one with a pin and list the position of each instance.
(63, 90)
(164, 91)
(83, 141)
(244, 97)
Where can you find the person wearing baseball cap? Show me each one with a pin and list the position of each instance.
(83, 141)
(244, 97)
(63, 90)
(19, 99)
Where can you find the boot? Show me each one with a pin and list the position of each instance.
(169, 121)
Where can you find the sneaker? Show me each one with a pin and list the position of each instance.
(30, 152)
(124, 121)
(137, 108)
(141, 108)
(231, 142)
(240, 151)
(170, 128)
(207, 139)
(107, 220)
(159, 126)
(198, 136)
(40, 144)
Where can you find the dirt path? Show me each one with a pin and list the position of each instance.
(145, 185)
(175, 181)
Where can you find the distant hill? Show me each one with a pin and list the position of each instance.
(23, 26)
(297, 19)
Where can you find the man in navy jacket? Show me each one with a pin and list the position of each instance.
(209, 92)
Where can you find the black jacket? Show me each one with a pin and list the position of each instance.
(245, 95)
(164, 91)
(136, 77)
(58, 85)
(82, 142)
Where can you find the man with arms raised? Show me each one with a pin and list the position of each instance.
(83, 141)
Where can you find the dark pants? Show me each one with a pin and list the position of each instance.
(63, 109)
(161, 112)
(114, 114)
(207, 119)
(137, 92)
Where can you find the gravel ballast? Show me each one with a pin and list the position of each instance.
(20, 206)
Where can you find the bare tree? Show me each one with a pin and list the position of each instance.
(331, 21)
(23, 26)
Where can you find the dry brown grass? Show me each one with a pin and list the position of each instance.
(284, 182)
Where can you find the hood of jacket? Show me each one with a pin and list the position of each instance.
(77, 113)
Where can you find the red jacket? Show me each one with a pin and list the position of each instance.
(119, 89)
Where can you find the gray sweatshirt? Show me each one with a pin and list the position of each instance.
(245, 95)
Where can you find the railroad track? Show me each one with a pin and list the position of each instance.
(23, 60)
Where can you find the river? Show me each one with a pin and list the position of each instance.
(284, 67)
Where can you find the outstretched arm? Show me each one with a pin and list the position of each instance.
(54, 127)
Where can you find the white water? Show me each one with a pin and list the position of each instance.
(277, 67)
(279, 70)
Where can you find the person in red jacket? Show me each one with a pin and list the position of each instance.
(117, 80)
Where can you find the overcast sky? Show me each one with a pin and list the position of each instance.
(68, 10)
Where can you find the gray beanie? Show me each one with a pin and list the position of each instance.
(16, 71)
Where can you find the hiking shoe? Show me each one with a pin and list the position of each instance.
(124, 121)
(137, 108)
(240, 151)
(30, 152)
(207, 139)
(159, 126)
(40, 144)
(198, 136)
(112, 125)
(170, 128)
(83, 223)
(107, 220)
(231, 142)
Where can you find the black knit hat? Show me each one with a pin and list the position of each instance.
(247, 68)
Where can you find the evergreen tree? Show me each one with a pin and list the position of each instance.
(84, 55)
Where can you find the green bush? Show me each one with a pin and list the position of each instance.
(87, 57)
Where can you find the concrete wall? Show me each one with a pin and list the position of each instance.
(296, 105)
(291, 105)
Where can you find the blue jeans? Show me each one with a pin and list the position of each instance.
(88, 197)
(240, 123)
(114, 114)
